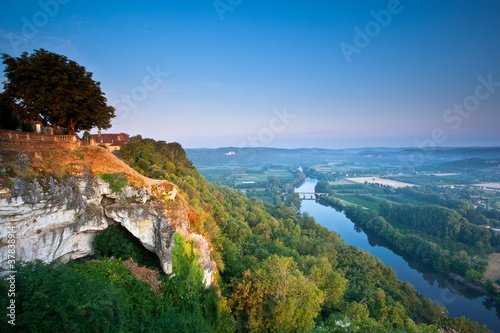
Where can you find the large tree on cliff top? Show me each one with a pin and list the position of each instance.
(61, 91)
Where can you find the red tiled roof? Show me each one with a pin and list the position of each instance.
(111, 139)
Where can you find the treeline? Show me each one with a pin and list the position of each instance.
(155, 159)
(431, 195)
(443, 223)
(359, 189)
(439, 236)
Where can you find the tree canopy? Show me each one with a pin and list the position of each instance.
(59, 90)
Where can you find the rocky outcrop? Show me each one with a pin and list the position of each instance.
(53, 218)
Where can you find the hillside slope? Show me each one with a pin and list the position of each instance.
(56, 203)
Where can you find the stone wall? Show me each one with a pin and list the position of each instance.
(20, 138)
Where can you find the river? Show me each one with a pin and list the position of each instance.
(458, 299)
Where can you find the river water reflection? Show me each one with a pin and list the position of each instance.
(459, 299)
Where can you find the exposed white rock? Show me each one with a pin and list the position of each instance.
(53, 219)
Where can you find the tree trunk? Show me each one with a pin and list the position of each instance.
(70, 127)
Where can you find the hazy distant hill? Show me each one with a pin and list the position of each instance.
(204, 157)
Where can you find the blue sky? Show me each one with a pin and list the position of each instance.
(330, 74)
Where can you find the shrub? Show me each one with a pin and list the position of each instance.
(115, 180)
(51, 298)
(117, 242)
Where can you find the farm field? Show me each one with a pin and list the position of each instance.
(400, 200)
(381, 181)
(251, 176)
(370, 202)
(345, 168)
(495, 186)
(434, 179)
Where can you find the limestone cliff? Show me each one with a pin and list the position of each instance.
(58, 218)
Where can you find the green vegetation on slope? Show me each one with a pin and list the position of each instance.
(106, 296)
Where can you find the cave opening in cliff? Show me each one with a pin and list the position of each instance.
(116, 241)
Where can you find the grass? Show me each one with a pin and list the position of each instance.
(370, 202)
(399, 200)
(26, 162)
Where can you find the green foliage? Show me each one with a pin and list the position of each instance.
(62, 92)
(8, 119)
(279, 271)
(25, 127)
(186, 289)
(463, 325)
(472, 274)
(116, 180)
(185, 262)
(117, 242)
(438, 235)
(385, 207)
(52, 298)
(103, 296)
(369, 202)
(156, 159)
(343, 274)
(284, 298)
(322, 187)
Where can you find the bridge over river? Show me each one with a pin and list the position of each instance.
(310, 195)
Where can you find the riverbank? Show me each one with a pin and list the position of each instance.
(460, 299)
(409, 239)
(337, 204)
(469, 283)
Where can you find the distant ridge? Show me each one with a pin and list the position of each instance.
(205, 157)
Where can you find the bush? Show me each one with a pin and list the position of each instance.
(51, 298)
(117, 242)
(27, 128)
(115, 180)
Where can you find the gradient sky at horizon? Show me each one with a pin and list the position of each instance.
(232, 70)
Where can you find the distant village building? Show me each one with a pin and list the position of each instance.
(111, 141)
(41, 127)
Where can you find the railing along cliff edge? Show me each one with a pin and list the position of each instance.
(15, 136)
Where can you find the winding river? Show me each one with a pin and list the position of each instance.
(459, 299)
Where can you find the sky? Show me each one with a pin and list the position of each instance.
(318, 74)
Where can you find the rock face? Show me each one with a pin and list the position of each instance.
(58, 219)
